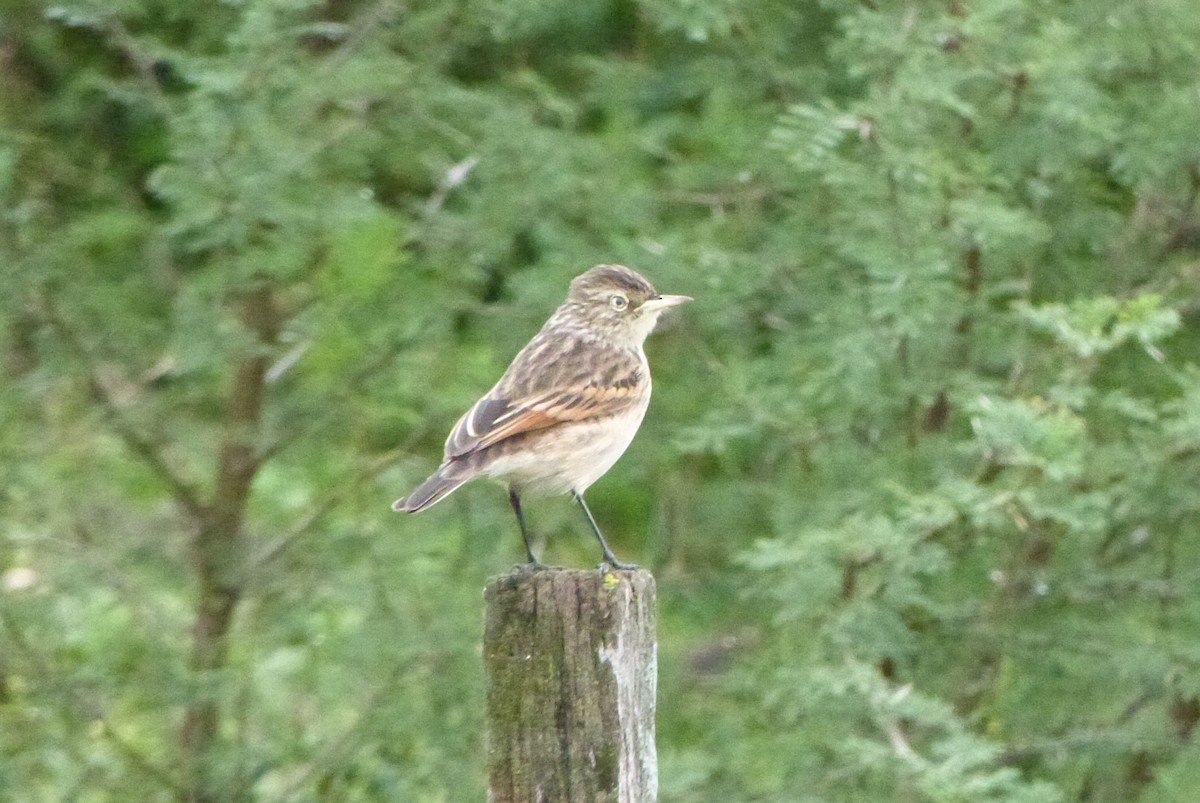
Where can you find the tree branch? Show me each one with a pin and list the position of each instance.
(85, 704)
(218, 549)
(184, 493)
(300, 429)
(273, 550)
(334, 750)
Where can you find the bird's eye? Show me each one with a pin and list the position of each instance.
(618, 302)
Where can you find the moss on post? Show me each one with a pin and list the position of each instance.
(571, 663)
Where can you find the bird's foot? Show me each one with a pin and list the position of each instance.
(612, 563)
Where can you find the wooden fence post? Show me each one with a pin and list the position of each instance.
(572, 664)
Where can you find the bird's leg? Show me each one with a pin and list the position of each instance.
(514, 499)
(609, 557)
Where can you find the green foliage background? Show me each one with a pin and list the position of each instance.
(918, 483)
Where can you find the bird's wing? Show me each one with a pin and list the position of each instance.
(555, 379)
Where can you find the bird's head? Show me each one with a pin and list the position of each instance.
(618, 303)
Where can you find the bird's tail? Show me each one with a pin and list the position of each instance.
(430, 492)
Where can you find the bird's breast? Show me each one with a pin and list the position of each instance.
(569, 457)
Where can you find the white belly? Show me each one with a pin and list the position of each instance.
(571, 457)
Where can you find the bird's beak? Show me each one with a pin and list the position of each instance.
(658, 303)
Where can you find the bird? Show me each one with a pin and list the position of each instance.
(566, 408)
